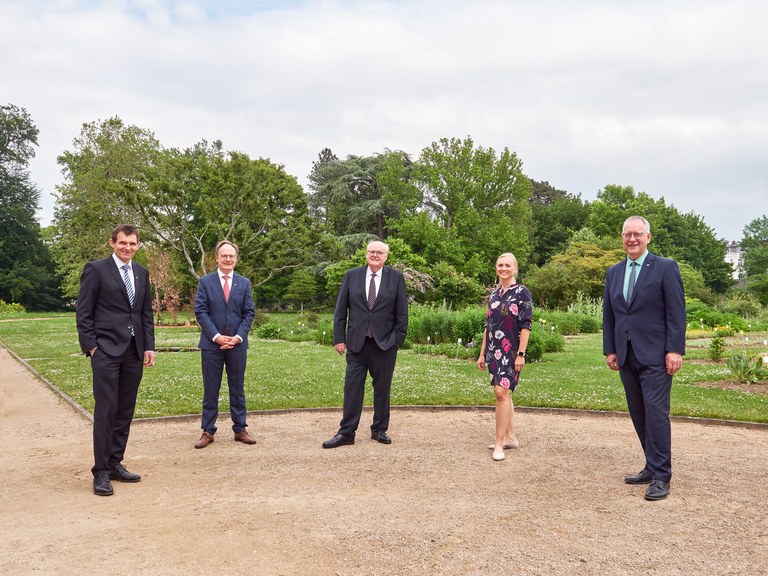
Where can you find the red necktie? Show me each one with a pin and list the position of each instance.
(226, 288)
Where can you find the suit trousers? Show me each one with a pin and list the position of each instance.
(381, 365)
(116, 382)
(648, 390)
(214, 362)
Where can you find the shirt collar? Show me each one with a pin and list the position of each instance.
(120, 263)
(639, 261)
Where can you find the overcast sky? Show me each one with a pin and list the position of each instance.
(670, 97)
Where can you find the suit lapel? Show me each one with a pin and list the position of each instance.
(117, 275)
(234, 284)
(216, 279)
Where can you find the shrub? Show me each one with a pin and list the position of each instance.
(269, 330)
(437, 324)
(260, 318)
(717, 347)
(11, 307)
(311, 318)
(702, 316)
(544, 340)
(584, 305)
(745, 370)
(469, 323)
(741, 303)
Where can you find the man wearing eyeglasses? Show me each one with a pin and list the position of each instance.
(369, 324)
(224, 310)
(644, 339)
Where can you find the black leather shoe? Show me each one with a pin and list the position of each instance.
(658, 490)
(381, 436)
(642, 477)
(102, 486)
(338, 440)
(122, 475)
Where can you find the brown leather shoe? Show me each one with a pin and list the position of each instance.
(244, 437)
(205, 439)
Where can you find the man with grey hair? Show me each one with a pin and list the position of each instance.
(369, 324)
(644, 339)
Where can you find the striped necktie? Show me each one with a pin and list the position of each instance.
(128, 283)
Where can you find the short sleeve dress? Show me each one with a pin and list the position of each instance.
(508, 313)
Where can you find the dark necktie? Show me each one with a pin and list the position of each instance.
(128, 284)
(632, 276)
(371, 303)
(372, 292)
(226, 288)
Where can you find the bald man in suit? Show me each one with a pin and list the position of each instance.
(644, 339)
(224, 309)
(369, 324)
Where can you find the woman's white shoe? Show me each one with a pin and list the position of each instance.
(498, 455)
(514, 444)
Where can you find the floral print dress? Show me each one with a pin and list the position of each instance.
(508, 313)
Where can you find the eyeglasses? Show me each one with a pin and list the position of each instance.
(228, 256)
(631, 235)
(377, 252)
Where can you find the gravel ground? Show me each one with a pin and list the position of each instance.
(433, 502)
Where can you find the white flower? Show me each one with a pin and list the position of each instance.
(498, 334)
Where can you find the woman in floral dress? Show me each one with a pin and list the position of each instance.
(507, 327)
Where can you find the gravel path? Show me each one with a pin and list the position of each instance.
(433, 502)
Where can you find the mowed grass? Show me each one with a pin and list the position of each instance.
(302, 374)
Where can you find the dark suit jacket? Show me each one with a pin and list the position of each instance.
(389, 317)
(104, 314)
(655, 317)
(216, 316)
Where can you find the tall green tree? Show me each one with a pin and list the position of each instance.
(27, 272)
(580, 269)
(358, 195)
(107, 169)
(184, 201)
(477, 200)
(557, 216)
(684, 237)
(302, 289)
(260, 207)
(754, 246)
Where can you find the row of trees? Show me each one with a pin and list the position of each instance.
(447, 214)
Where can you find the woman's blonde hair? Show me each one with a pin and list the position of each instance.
(508, 255)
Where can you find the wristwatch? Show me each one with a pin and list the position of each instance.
(521, 353)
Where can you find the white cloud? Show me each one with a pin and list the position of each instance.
(665, 96)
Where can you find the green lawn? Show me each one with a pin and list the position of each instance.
(302, 374)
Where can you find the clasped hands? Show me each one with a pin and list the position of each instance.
(227, 342)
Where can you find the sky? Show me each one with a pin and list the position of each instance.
(667, 96)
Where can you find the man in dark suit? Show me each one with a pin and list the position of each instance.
(644, 339)
(370, 323)
(224, 310)
(116, 331)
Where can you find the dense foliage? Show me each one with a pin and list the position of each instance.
(447, 213)
(27, 273)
